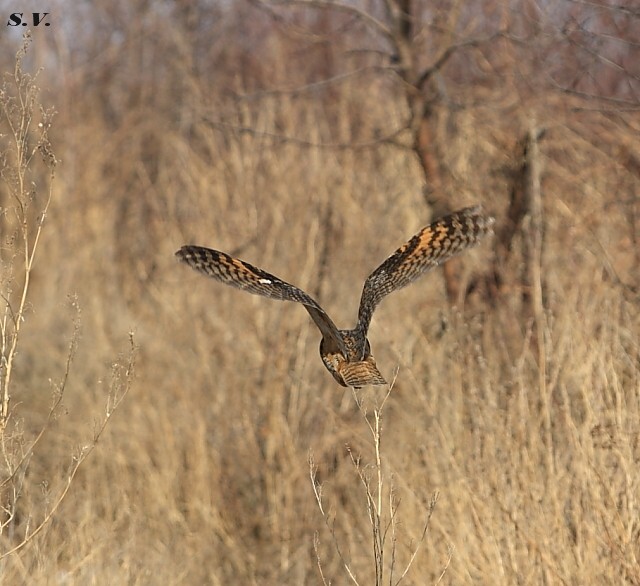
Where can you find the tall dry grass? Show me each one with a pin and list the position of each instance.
(204, 475)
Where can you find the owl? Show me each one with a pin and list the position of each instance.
(347, 353)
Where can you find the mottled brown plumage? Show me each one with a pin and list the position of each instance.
(347, 353)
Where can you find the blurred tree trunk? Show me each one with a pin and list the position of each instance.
(423, 100)
(524, 216)
(401, 30)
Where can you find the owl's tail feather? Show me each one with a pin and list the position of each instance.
(362, 373)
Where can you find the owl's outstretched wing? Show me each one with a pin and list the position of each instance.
(237, 273)
(430, 247)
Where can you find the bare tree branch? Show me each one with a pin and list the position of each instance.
(339, 7)
(317, 85)
(449, 52)
(389, 138)
(616, 7)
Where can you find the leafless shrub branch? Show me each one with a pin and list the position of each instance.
(22, 221)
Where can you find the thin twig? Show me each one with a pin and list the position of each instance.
(317, 491)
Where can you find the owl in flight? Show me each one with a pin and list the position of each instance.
(347, 353)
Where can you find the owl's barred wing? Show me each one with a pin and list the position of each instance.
(430, 247)
(237, 273)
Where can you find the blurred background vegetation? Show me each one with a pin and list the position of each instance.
(313, 137)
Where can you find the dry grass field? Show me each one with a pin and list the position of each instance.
(190, 434)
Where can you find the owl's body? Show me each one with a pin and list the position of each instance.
(347, 353)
